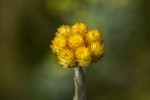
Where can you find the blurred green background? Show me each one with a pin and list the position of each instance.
(29, 71)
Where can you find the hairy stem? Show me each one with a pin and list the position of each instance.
(79, 81)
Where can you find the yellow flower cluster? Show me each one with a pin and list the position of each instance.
(77, 46)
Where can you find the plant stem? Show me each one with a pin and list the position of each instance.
(79, 81)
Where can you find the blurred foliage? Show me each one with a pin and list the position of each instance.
(28, 70)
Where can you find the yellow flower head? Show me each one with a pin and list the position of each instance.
(83, 56)
(75, 40)
(83, 53)
(97, 49)
(63, 30)
(77, 46)
(66, 58)
(58, 43)
(79, 28)
(93, 36)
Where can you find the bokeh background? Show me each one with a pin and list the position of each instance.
(29, 71)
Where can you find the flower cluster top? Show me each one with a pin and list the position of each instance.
(76, 46)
